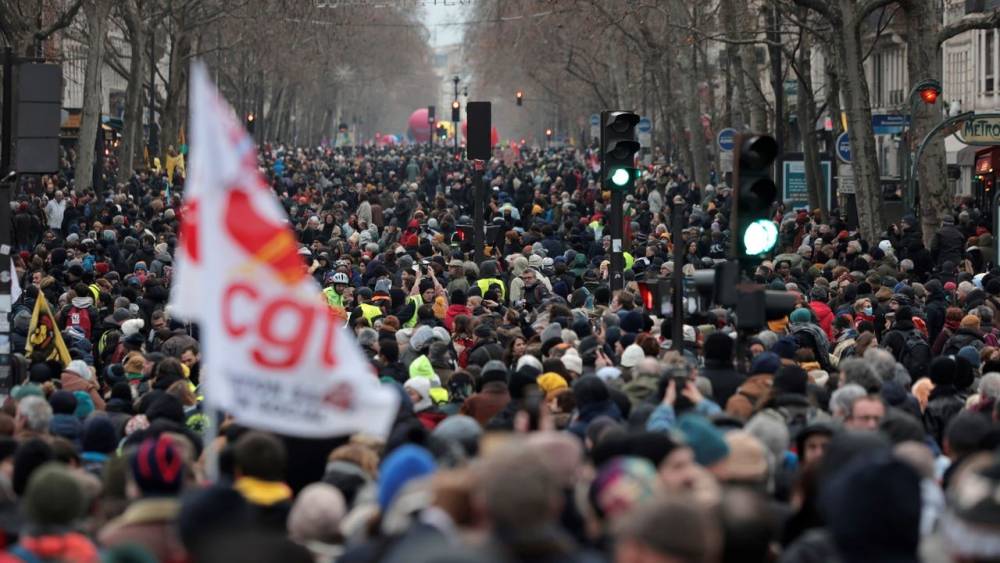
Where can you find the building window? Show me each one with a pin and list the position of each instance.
(989, 61)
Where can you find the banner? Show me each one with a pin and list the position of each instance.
(45, 341)
(276, 357)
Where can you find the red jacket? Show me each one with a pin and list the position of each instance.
(452, 312)
(825, 317)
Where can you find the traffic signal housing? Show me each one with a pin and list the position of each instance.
(618, 148)
(250, 122)
(442, 132)
(756, 234)
(519, 96)
(455, 111)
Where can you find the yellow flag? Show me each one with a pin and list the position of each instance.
(45, 342)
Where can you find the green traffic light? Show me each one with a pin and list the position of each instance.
(760, 237)
(620, 177)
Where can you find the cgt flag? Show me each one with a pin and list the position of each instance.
(45, 343)
(277, 358)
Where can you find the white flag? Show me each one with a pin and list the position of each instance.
(15, 284)
(276, 356)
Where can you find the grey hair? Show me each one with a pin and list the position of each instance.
(881, 362)
(769, 427)
(843, 399)
(985, 314)
(367, 337)
(36, 413)
(989, 385)
(861, 372)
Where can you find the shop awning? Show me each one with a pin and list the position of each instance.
(966, 156)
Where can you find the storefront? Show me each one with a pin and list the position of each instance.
(985, 175)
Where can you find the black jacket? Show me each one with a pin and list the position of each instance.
(948, 245)
(963, 337)
(725, 380)
(944, 404)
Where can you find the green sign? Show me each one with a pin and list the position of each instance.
(795, 189)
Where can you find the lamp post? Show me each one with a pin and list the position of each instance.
(926, 91)
(455, 113)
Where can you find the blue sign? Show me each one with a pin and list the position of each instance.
(727, 139)
(645, 125)
(844, 147)
(890, 124)
(595, 120)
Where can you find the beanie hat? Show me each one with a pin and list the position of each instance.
(167, 407)
(704, 439)
(623, 484)
(98, 435)
(461, 429)
(747, 459)
(608, 374)
(571, 359)
(632, 322)
(971, 355)
(765, 362)
(800, 315)
(970, 321)
(525, 360)
(785, 347)
(632, 355)
(80, 368)
(206, 513)
(551, 381)
(316, 514)
(62, 402)
(942, 370)
(404, 464)
(84, 404)
(791, 379)
(132, 326)
(421, 338)
(157, 467)
(54, 497)
(551, 332)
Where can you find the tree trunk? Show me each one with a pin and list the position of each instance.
(923, 61)
(176, 87)
(131, 146)
(699, 154)
(97, 12)
(857, 105)
(806, 113)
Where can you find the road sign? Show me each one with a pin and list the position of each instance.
(795, 188)
(595, 126)
(844, 147)
(845, 179)
(727, 139)
(726, 161)
(645, 132)
(889, 123)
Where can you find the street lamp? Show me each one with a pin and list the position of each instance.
(926, 91)
(455, 115)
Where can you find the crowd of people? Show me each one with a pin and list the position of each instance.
(544, 417)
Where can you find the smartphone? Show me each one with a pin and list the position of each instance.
(416, 268)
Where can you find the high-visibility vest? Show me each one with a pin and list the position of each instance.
(370, 312)
(485, 283)
(333, 298)
(417, 302)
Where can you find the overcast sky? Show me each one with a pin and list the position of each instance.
(444, 13)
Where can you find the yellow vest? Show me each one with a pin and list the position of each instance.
(417, 301)
(333, 298)
(485, 283)
(370, 313)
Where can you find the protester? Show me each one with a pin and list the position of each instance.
(542, 415)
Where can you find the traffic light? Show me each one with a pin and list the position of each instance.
(618, 148)
(455, 111)
(929, 94)
(442, 132)
(548, 134)
(756, 233)
(430, 114)
(250, 122)
(520, 97)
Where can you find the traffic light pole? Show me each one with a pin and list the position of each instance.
(478, 225)
(677, 279)
(616, 270)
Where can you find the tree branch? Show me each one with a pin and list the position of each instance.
(822, 8)
(968, 23)
(868, 8)
(64, 20)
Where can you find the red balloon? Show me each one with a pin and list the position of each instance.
(494, 135)
(419, 127)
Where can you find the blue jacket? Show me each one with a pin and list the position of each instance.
(663, 417)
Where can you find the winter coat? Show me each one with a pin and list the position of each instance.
(484, 351)
(642, 388)
(452, 312)
(150, 523)
(487, 403)
(742, 403)
(588, 413)
(963, 337)
(948, 245)
(825, 317)
(725, 380)
(936, 309)
(943, 405)
(73, 382)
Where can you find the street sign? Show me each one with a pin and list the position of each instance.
(844, 147)
(726, 139)
(980, 130)
(889, 123)
(595, 126)
(845, 179)
(795, 188)
(645, 132)
(726, 161)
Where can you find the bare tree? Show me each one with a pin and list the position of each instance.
(97, 14)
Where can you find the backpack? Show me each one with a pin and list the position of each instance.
(915, 355)
(79, 318)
